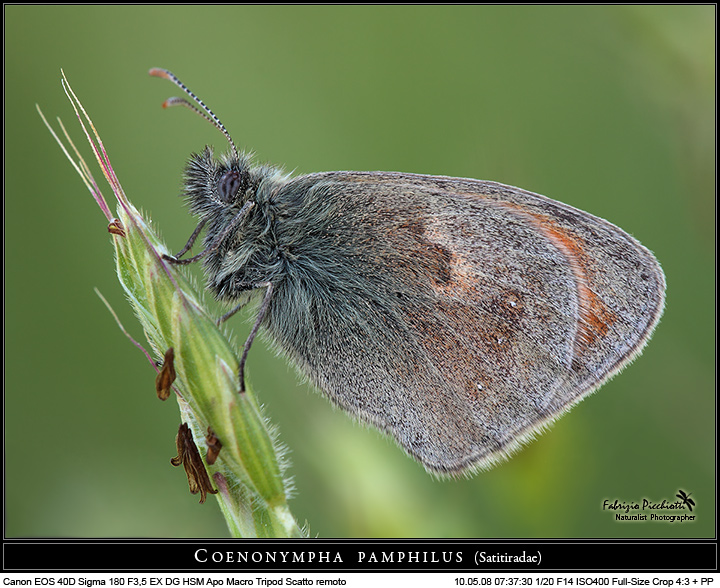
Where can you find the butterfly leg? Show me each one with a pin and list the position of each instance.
(191, 240)
(262, 311)
(232, 312)
(216, 242)
(254, 331)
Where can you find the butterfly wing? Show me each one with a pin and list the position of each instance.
(459, 316)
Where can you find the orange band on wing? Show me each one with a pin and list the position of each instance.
(595, 317)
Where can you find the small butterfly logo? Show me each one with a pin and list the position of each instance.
(687, 501)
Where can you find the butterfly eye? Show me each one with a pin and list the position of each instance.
(229, 185)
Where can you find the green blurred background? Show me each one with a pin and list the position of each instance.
(610, 109)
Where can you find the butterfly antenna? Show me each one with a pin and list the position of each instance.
(206, 113)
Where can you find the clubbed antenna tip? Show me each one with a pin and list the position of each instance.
(203, 111)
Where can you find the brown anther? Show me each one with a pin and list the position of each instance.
(166, 376)
(116, 227)
(189, 456)
(213, 446)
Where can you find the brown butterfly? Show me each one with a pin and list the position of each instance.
(459, 316)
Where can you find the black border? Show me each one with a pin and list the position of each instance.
(316, 555)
